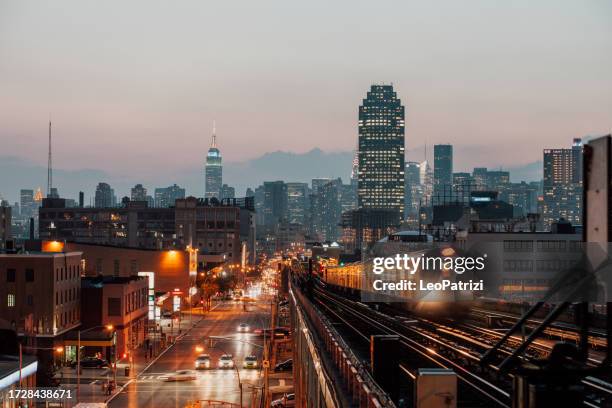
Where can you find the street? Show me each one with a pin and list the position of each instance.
(150, 390)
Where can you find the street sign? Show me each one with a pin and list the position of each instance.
(266, 364)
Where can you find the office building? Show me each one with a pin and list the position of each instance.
(326, 210)
(413, 189)
(5, 224)
(214, 228)
(297, 197)
(133, 224)
(381, 151)
(563, 185)
(138, 193)
(104, 197)
(348, 197)
(227, 192)
(443, 173)
(275, 202)
(165, 197)
(363, 227)
(119, 301)
(28, 205)
(214, 170)
(40, 296)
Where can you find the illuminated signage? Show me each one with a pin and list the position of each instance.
(151, 293)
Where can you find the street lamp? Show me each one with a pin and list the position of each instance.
(108, 327)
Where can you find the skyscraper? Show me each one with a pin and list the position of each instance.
(381, 151)
(563, 184)
(443, 173)
(214, 169)
(104, 196)
(413, 189)
(326, 210)
(27, 202)
(138, 193)
(296, 202)
(275, 202)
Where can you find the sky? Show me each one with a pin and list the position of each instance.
(133, 87)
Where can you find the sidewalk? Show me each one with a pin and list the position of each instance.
(92, 380)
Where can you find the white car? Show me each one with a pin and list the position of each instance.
(250, 362)
(202, 362)
(226, 361)
(180, 375)
(243, 327)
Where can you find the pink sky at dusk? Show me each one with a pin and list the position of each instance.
(130, 85)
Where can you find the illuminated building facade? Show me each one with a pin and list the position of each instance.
(381, 151)
(563, 185)
(214, 170)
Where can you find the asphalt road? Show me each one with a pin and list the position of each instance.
(149, 390)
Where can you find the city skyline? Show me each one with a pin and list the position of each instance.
(484, 96)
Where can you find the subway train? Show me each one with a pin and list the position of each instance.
(358, 281)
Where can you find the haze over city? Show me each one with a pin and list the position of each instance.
(499, 82)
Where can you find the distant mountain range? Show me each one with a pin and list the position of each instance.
(17, 173)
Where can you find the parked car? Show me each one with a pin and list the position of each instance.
(202, 362)
(287, 400)
(91, 362)
(286, 365)
(250, 362)
(180, 375)
(226, 361)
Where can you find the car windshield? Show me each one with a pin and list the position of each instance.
(251, 358)
(206, 357)
(226, 357)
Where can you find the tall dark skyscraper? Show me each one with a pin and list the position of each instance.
(443, 173)
(381, 151)
(275, 202)
(214, 169)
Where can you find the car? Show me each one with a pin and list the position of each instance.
(286, 365)
(180, 375)
(287, 400)
(91, 362)
(202, 362)
(243, 327)
(250, 362)
(226, 361)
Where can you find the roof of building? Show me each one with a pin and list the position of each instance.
(101, 280)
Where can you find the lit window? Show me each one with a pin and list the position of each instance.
(10, 302)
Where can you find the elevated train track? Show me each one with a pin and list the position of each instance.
(455, 345)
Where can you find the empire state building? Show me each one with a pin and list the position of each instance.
(214, 170)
